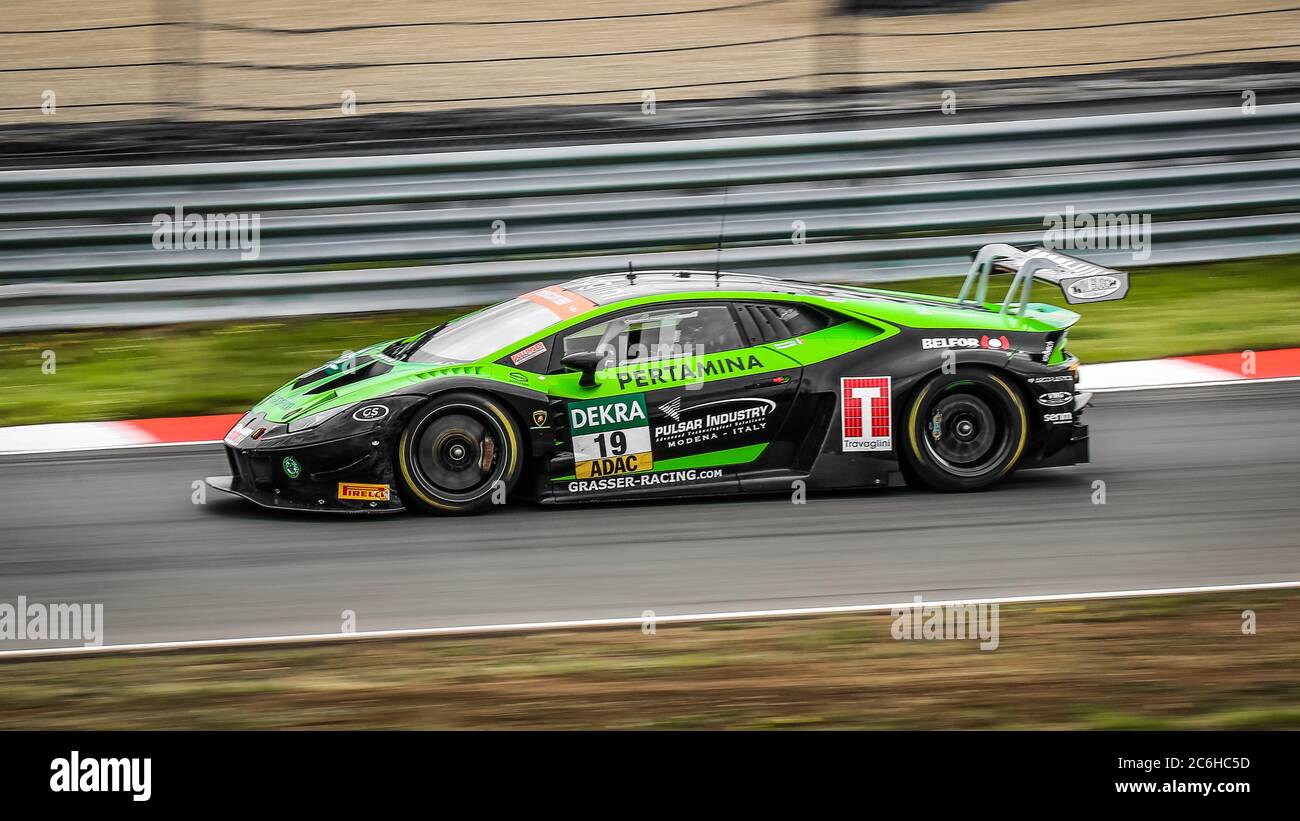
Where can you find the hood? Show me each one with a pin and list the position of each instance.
(365, 375)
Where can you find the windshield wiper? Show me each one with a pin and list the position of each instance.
(404, 349)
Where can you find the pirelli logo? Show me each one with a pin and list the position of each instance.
(352, 491)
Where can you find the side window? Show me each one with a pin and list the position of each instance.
(658, 333)
(774, 321)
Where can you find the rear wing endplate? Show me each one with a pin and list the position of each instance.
(1079, 280)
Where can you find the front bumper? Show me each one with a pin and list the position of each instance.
(350, 474)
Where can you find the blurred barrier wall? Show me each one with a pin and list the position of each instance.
(78, 246)
(206, 60)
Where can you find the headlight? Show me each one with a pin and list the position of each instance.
(315, 419)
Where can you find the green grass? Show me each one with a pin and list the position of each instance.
(1179, 662)
(178, 370)
(201, 369)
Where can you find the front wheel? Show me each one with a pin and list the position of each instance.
(460, 453)
(965, 430)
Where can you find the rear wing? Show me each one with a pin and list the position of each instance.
(1078, 279)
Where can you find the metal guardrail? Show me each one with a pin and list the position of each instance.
(75, 244)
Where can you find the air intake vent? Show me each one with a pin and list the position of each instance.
(352, 376)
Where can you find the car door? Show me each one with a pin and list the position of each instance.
(684, 402)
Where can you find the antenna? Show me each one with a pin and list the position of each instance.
(631, 275)
(722, 229)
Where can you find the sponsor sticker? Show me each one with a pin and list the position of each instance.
(997, 343)
(1055, 398)
(560, 301)
(291, 467)
(708, 421)
(533, 350)
(1093, 287)
(865, 413)
(1058, 418)
(650, 375)
(238, 434)
(370, 413)
(644, 480)
(932, 342)
(610, 436)
(354, 491)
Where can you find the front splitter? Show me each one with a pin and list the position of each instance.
(226, 484)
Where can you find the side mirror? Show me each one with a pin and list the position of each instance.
(586, 361)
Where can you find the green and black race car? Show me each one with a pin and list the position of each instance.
(682, 383)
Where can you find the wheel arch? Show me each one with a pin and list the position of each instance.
(508, 394)
(905, 401)
(506, 400)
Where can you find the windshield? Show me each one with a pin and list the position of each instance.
(473, 337)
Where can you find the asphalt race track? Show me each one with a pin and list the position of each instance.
(1202, 487)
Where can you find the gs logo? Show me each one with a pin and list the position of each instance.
(370, 413)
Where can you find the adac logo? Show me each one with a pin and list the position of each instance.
(996, 343)
(291, 467)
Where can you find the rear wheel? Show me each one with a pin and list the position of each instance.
(458, 454)
(965, 430)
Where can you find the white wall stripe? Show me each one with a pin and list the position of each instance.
(631, 621)
(70, 436)
(1152, 373)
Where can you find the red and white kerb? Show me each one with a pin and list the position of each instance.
(865, 413)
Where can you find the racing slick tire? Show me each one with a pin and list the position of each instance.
(965, 430)
(459, 453)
